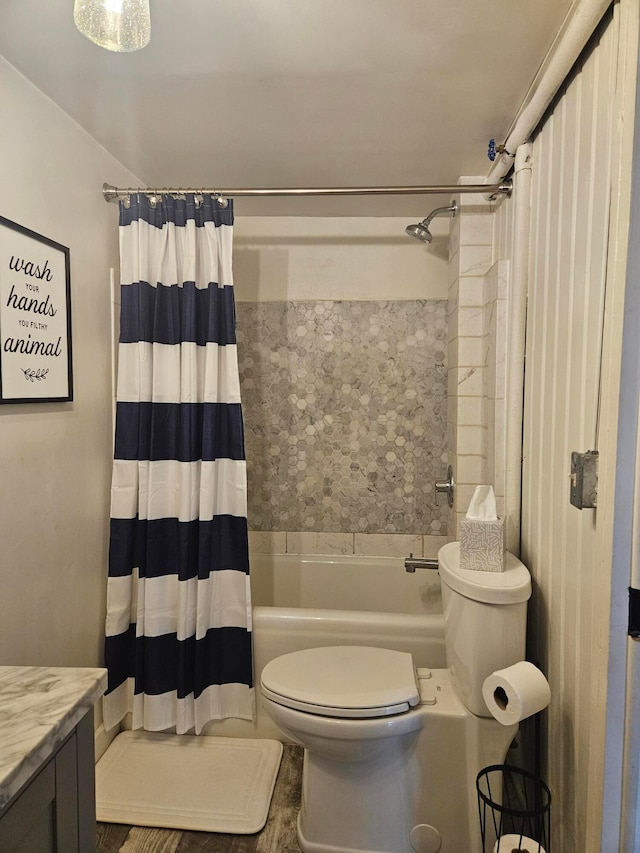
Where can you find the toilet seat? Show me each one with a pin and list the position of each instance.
(343, 681)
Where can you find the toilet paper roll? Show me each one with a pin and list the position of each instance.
(515, 693)
(509, 843)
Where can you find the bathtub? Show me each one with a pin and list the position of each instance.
(301, 602)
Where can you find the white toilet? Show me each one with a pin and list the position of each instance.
(391, 752)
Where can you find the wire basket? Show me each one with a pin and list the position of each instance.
(515, 810)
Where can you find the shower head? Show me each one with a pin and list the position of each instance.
(420, 230)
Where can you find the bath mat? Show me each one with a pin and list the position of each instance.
(211, 784)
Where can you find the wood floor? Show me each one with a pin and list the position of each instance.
(278, 835)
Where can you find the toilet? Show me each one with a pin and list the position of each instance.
(392, 751)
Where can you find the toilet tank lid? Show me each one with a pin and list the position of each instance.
(511, 586)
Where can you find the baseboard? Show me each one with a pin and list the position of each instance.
(103, 739)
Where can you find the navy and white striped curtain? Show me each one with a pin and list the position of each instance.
(178, 628)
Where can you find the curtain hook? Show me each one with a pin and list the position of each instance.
(222, 201)
(126, 201)
(198, 199)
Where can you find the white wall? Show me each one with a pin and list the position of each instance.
(579, 211)
(304, 258)
(55, 458)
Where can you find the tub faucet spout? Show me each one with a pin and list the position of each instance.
(412, 563)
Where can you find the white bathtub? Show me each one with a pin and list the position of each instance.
(301, 602)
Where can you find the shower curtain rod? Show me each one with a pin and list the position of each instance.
(492, 191)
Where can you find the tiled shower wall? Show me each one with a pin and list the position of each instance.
(475, 355)
(345, 406)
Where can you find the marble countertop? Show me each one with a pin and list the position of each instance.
(39, 707)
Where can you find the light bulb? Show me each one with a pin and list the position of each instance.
(119, 25)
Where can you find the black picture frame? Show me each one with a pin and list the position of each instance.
(35, 317)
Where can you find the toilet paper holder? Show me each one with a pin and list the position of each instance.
(516, 805)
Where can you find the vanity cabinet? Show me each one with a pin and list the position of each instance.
(47, 767)
(54, 812)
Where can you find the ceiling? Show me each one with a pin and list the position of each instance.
(289, 93)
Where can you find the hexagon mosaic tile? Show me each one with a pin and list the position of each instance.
(345, 409)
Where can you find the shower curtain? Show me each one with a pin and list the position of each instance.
(178, 627)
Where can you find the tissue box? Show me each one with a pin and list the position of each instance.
(482, 545)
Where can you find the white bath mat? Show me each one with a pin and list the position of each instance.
(212, 784)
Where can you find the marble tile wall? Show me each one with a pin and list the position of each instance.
(345, 421)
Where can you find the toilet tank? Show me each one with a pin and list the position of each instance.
(485, 621)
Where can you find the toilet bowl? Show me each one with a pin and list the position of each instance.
(391, 751)
(342, 702)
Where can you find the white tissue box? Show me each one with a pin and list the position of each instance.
(482, 545)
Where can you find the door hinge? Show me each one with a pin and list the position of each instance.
(634, 613)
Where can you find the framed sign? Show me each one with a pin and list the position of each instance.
(35, 317)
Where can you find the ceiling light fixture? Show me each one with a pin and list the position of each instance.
(118, 25)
